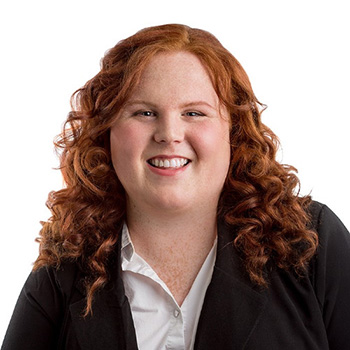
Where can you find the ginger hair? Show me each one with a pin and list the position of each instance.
(260, 196)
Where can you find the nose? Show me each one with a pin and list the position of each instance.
(169, 129)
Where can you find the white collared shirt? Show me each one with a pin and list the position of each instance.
(160, 323)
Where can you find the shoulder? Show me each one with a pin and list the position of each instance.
(49, 290)
(331, 274)
(333, 253)
(323, 217)
(41, 308)
(333, 235)
(52, 285)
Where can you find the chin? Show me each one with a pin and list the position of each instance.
(171, 203)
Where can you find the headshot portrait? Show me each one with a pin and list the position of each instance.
(175, 178)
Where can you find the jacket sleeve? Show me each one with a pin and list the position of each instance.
(332, 278)
(35, 323)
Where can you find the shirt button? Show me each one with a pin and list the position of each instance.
(176, 313)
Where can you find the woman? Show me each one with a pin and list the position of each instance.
(177, 228)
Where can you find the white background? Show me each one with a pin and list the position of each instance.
(296, 54)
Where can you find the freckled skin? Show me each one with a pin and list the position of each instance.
(174, 111)
(178, 267)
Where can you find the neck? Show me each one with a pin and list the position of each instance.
(153, 231)
(175, 245)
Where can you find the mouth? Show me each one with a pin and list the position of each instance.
(168, 163)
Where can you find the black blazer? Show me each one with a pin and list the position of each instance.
(310, 313)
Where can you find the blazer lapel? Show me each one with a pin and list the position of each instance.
(232, 306)
(111, 325)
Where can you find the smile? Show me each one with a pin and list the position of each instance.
(168, 163)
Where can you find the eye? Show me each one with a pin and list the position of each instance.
(144, 114)
(194, 114)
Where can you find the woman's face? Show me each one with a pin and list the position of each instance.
(170, 143)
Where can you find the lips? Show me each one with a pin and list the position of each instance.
(168, 163)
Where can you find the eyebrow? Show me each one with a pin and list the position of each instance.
(197, 103)
(184, 105)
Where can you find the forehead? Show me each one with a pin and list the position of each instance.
(175, 76)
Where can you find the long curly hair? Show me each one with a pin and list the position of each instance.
(260, 196)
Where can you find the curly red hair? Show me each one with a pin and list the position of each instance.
(259, 197)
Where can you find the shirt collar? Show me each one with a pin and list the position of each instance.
(127, 249)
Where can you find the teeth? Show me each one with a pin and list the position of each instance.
(169, 163)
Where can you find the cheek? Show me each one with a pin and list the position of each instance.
(126, 143)
(213, 141)
(125, 150)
